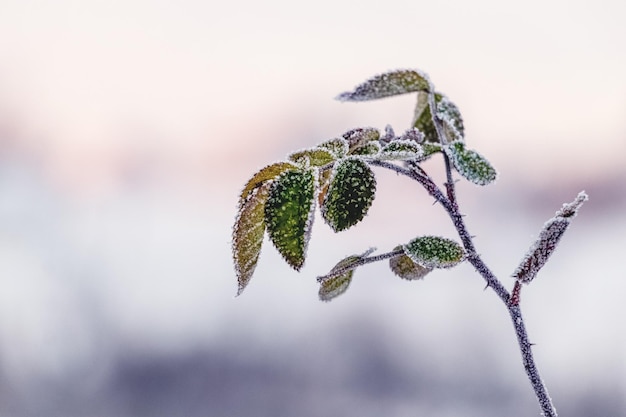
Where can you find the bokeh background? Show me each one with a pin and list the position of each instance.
(127, 129)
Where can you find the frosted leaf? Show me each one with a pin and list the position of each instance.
(338, 147)
(401, 150)
(405, 268)
(470, 164)
(388, 84)
(336, 282)
(429, 149)
(267, 173)
(434, 252)
(359, 137)
(350, 194)
(315, 157)
(413, 134)
(369, 149)
(334, 287)
(289, 214)
(451, 132)
(446, 110)
(248, 235)
(548, 239)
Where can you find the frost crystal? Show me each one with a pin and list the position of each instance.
(548, 239)
(388, 84)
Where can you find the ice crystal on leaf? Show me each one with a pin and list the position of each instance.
(548, 239)
(470, 164)
(434, 252)
(370, 149)
(405, 268)
(248, 234)
(267, 173)
(388, 84)
(401, 150)
(350, 195)
(289, 214)
(337, 146)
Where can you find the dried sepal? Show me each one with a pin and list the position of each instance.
(434, 252)
(405, 268)
(338, 147)
(414, 135)
(289, 214)
(470, 164)
(350, 194)
(248, 234)
(337, 281)
(388, 84)
(401, 150)
(267, 173)
(548, 239)
(315, 157)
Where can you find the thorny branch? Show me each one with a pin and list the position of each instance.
(511, 302)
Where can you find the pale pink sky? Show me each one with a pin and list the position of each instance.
(88, 80)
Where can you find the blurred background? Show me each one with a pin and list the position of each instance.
(127, 129)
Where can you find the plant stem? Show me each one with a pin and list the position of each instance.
(492, 281)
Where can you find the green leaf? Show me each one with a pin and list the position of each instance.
(470, 164)
(315, 157)
(335, 286)
(446, 110)
(350, 194)
(388, 84)
(434, 252)
(248, 234)
(338, 147)
(336, 282)
(289, 214)
(429, 149)
(370, 149)
(360, 137)
(401, 150)
(268, 173)
(405, 268)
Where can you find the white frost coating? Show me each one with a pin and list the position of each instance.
(548, 239)
(401, 150)
(388, 84)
